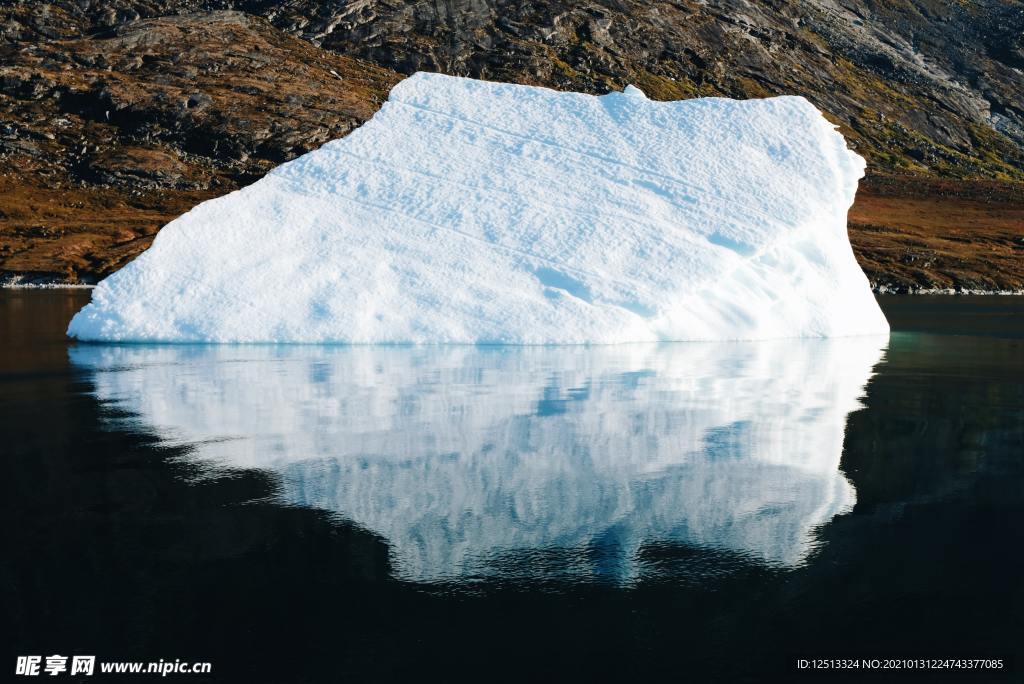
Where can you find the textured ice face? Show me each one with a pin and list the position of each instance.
(472, 461)
(468, 211)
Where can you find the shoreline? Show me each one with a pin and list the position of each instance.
(45, 286)
(944, 291)
(25, 281)
(13, 283)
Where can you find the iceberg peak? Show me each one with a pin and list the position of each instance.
(632, 91)
(467, 211)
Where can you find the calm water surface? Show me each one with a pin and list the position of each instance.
(698, 511)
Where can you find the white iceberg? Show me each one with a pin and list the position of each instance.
(475, 212)
(482, 461)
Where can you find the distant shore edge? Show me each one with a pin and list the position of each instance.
(37, 281)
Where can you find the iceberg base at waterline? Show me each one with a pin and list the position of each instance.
(478, 461)
(474, 212)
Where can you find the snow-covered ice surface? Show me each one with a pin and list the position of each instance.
(521, 462)
(468, 211)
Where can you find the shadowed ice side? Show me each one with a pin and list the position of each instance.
(462, 458)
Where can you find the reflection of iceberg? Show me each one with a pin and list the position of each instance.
(464, 456)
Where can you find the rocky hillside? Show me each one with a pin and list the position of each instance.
(119, 115)
(107, 137)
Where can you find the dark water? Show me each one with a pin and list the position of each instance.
(693, 512)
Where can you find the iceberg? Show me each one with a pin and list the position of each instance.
(467, 211)
(520, 462)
